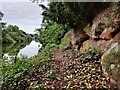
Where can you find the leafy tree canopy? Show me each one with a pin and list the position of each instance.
(52, 34)
(12, 34)
(71, 13)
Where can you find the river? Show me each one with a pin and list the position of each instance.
(21, 49)
(30, 50)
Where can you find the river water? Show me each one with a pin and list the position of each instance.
(21, 49)
(30, 50)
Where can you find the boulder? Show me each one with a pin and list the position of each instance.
(99, 45)
(109, 33)
(88, 44)
(116, 38)
(107, 23)
(111, 63)
(77, 40)
(104, 35)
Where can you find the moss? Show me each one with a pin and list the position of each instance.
(111, 63)
(66, 40)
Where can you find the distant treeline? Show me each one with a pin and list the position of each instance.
(12, 34)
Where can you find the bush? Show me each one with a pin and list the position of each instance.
(14, 71)
(52, 34)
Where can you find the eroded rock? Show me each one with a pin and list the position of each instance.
(111, 63)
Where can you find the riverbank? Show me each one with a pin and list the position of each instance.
(84, 57)
(67, 69)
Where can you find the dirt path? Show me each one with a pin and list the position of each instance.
(71, 73)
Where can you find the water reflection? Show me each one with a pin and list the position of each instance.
(13, 48)
(28, 49)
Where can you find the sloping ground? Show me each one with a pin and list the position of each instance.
(105, 35)
(70, 70)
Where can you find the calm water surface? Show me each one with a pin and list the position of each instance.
(22, 49)
(30, 50)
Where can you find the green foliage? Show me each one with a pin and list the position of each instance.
(50, 74)
(14, 70)
(111, 61)
(34, 85)
(71, 13)
(12, 34)
(46, 53)
(50, 37)
(52, 34)
(49, 48)
(8, 38)
(13, 48)
(90, 54)
(43, 57)
(111, 64)
(66, 40)
(35, 37)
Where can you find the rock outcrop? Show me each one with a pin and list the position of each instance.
(104, 35)
(111, 63)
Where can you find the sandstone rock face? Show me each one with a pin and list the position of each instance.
(77, 39)
(105, 29)
(107, 23)
(102, 34)
(103, 45)
(105, 36)
(92, 44)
